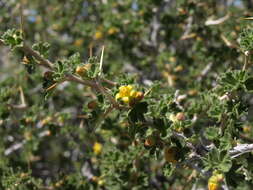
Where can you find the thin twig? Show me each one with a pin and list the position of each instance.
(108, 81)
(44, 62)
(23, 104)
(22, 26)
(188, 144)
(48, 64)
(104, 92)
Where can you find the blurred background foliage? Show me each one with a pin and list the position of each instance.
(182, 44)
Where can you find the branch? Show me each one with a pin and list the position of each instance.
(205, 71)
(17, 146)
(23, 104)
(44, 62)
(188, 144)
(241, 149)
(48, 64)
(218, 21)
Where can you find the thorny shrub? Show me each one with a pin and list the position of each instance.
(126, 94)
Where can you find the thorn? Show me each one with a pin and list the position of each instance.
(51, 87)
(22, 97)
(248, 18)
(90, 49)
(101, 61)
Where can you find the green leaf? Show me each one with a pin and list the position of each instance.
(249, 84)
(42, 48)
(212, 133)
(13, 38)
(74, 60)
(246, 39)
(217, 159)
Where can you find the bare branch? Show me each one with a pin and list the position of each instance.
(241, 149)
(19, 145)
(44, 62)
(218, 21)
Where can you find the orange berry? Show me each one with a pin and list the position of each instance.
(150, 141)
(139, 96)
(82, 70)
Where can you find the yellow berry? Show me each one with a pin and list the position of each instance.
(213, 186)
(101, 182)
(98, 35)
(112, 30)
(46, 120)
(78, 42)
(97, 148)
(192, 92)
(246, 129)
(179, 68)
(172, 59)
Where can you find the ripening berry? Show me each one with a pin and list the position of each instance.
(150, 141)
(170, 154)
(82, 70)
(94, 179)
(139, 96)
(92, 104)
(180, 116)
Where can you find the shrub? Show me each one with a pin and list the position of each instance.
(126, 95)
